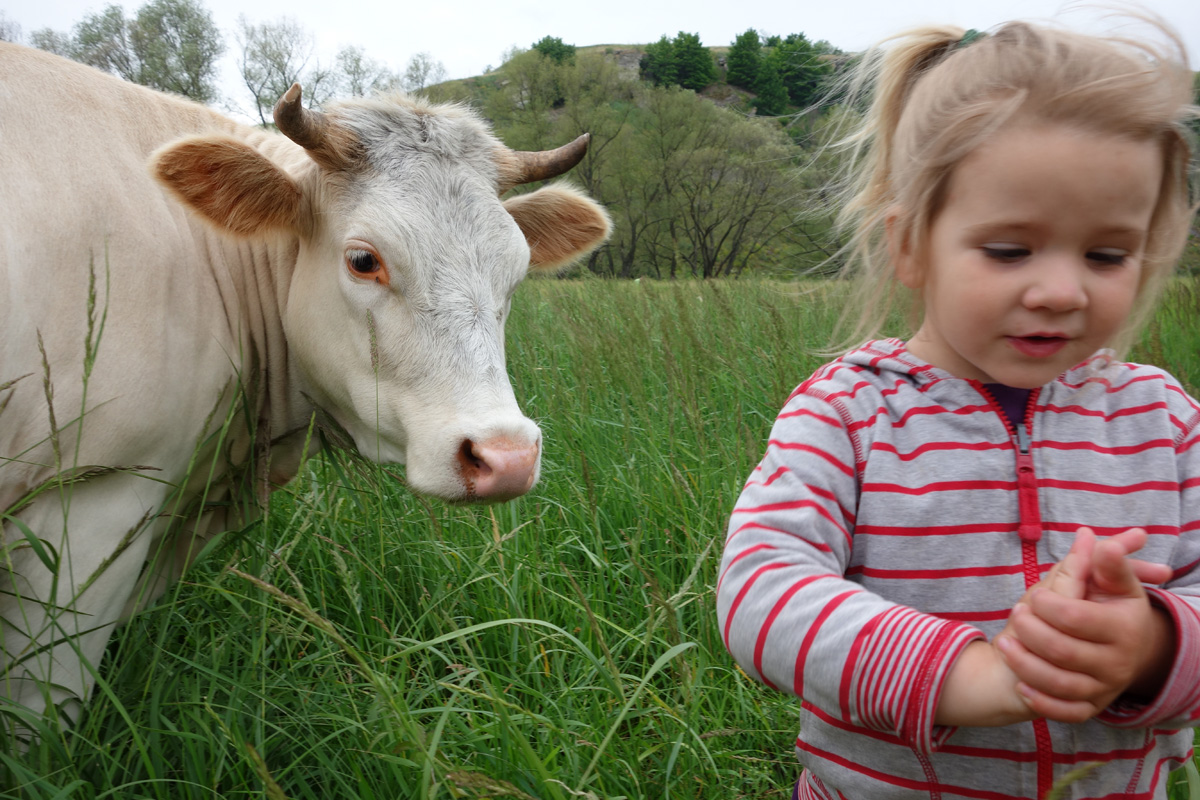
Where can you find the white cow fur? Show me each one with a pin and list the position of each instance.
(192, 326)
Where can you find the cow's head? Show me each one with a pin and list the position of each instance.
(408, 260)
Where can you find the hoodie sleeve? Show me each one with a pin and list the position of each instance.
(1178, 702)
(788, 614)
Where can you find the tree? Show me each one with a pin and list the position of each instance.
(694, 189)
(422, 71)
(532, 88)
(274, 56)
(744, 60)
(104, 41)
(803, 67)
(178, 46)
(693, 62)
(657, 64)
(772, 99)
(52, 41)
(730, 193)
(358, 75)
(10, 30)
(171, 45)
(553, 48)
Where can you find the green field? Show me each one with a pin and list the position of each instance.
(361, 642)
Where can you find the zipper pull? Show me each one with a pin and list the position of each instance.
(1023, 440)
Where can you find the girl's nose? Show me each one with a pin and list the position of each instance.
(1057, 285)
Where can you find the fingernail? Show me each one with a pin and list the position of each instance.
(1026, 693)
(1004, 644)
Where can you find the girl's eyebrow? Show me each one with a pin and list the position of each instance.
(1024, 226)
(1019, 226)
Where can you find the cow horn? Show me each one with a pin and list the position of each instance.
(331, 145)
(524, 166)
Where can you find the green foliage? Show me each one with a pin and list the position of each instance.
(682, 61)
(179, 45)
(780, 71)
(772, 97)
(695, 68)
(695, 189)
(103, 41)
(743, 62)
(803, 67)
(1195, 121)
(52, 41)
(553, 48)
(658, 63)
(532, 87)
(172, 45)
(699, 189)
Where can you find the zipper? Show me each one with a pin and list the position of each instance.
(1029, 526)
(1029, 529)
(1029, 521)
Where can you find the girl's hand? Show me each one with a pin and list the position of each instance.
(1088, 634)
(981, 691)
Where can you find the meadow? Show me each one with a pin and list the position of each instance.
(362, 642)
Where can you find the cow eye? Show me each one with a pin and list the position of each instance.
(363, 262)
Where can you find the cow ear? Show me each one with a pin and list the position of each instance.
(560, 224)
(230, 184)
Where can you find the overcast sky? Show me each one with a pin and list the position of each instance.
(469, 35)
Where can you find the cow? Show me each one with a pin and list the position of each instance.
(184, 297)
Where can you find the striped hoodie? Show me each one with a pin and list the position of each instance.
(897, 515)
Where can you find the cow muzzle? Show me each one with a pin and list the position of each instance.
(499, 468)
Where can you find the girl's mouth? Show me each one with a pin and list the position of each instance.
(1038, 346)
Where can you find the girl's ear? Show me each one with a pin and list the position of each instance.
(900, 251)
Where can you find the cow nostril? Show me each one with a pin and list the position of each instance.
(472, 464)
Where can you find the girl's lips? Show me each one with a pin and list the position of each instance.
(1038, 346)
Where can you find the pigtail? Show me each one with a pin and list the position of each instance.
(882, 83)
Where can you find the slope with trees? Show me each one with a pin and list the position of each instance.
(696, 189)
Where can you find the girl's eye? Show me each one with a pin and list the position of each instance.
(363, 262)
(1107, 257)
(1005, 253)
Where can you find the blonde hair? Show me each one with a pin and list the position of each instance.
(937, 93)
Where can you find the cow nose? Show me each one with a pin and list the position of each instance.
(499, 468)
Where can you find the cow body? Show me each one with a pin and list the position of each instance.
(180, 297)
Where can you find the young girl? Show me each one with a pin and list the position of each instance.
(892, 560)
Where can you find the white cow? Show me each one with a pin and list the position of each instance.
(181, 295)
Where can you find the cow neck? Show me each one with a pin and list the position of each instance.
(254, 278)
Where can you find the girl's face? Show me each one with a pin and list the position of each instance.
(1034, 261)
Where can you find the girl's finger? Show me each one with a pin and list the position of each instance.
(1151, 572)
(1062, 631)
(1113, 574)
(1070, 576)
(1045, 677)
(1131, 540)
(1070, 711)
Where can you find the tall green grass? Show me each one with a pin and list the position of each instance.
(363, 642)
